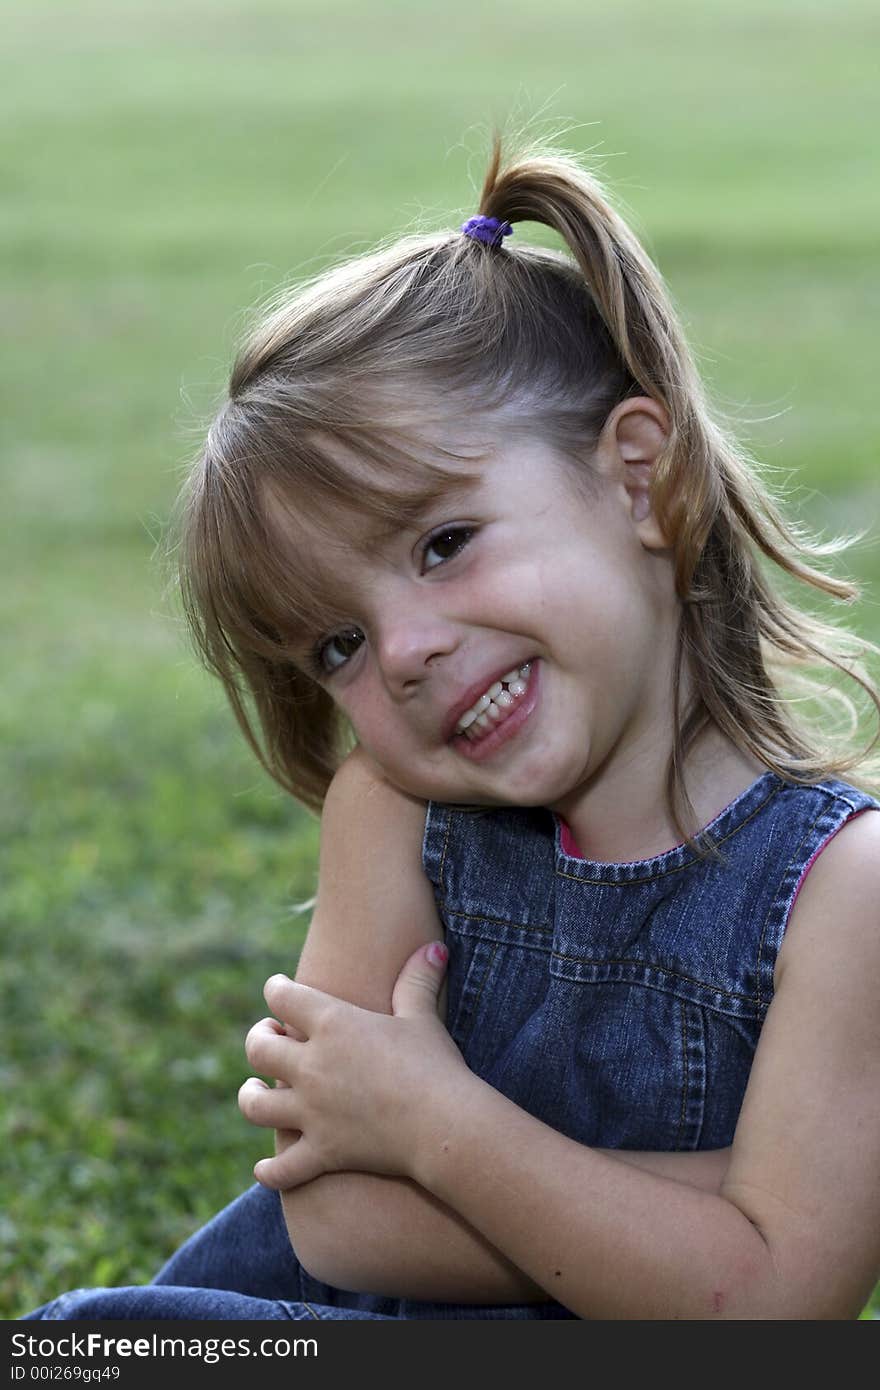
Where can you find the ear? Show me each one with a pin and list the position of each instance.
(633, 437)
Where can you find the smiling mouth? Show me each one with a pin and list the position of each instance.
(496, 705)
(477, 741)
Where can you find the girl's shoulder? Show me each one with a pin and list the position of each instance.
(371, 821)
(374, 905)
(835, 914)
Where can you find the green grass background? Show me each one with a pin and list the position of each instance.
(163, 166)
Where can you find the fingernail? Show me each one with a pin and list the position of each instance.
(437, 953)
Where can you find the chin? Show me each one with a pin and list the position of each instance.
(551, 781)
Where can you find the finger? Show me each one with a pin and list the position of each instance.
(269, 1050)
(267, 1106)
(417, 988)
(296, 1165)
(298, 1005)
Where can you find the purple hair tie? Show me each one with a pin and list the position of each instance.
(487, 229)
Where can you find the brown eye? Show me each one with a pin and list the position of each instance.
(446, 544)
(336, 650)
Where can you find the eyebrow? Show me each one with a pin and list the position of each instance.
(415, 509)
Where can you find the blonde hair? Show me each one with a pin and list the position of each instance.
(329, 401)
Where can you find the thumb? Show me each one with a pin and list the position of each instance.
(418, 984)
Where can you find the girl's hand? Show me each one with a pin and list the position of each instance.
(354, 1083)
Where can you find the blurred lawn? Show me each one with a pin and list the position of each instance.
(164, 166)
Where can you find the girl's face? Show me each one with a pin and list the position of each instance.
(523, 569)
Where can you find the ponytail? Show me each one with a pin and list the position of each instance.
(630, 297)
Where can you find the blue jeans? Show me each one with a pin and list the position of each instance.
(241, 1266)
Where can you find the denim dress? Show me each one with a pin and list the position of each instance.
(619, 1003)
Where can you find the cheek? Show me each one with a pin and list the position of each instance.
(360, 706)
(568, 597)
(519, 595)
(594, 615)
(386, 738)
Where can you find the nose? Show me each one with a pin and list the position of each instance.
(411, 639)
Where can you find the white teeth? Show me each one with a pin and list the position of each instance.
(490, 707)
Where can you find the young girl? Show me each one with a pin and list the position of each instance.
(496, 583)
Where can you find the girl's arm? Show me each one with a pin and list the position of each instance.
(375, 906)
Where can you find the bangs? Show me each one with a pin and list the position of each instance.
(267, 529)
